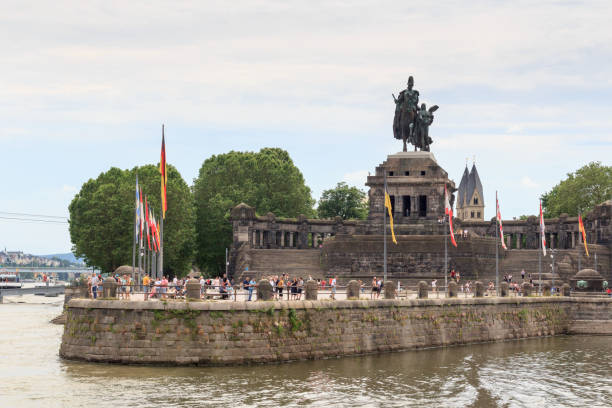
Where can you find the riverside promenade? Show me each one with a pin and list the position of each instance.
(213, 332)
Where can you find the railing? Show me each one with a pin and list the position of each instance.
(242, 293)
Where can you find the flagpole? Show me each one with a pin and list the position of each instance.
(496, 245)
(540, 265)
(445, 255)
(579, 248)
(161, 247)
(385, 235)
(134, 241)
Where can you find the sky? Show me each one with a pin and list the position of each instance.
(524, 89)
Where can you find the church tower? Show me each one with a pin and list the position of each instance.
(470, 198)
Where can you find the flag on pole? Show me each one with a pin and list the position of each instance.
(388, 205)
(141, 217)
(581, 229)
(148, 223)
(499, 220)
(163, 170)
(542, 230)
(137, 222)
(157, 234)
(448, 210)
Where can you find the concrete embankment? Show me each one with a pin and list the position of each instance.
(217, 333)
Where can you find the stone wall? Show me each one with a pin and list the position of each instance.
(592, 316)
(217, 333)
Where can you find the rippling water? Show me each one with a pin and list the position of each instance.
(548, 372)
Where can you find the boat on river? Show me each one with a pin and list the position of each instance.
(10, 281)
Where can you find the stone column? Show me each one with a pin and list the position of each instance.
(526, 286)
(519, 238)
(192, 289)
(109, 288)
(423, 291)
(452, 289)
(261, 238)
(503, 289)
(352, 290)
(509, 241)
(264, 290)
(565, 289)
(390, 289)
(479, 289)
(311, 290)
(291, 239)
(573, 240)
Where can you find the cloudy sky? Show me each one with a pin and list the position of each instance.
(525, 88)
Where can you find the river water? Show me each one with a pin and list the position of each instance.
(560, 371)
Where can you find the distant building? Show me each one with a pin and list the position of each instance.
(470, 198)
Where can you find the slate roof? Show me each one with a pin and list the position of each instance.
(470, 182)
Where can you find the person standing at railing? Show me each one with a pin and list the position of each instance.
(146, 281)
(279, 287)
(374, 288)
(94, 286)
(252, 284)
(300, 288)
(333, 288)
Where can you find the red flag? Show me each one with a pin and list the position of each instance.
(449, 211)
(148, 222)
(499, 220)
(163, 170)
(542, 230)
(142, 217)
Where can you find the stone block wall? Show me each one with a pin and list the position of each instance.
(218, 333)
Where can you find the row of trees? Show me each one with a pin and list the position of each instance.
(196, 227)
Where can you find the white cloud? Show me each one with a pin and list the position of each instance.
(528, 182)
(356, 178)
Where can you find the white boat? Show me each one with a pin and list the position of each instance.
(10, 281)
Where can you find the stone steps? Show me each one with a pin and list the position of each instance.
(295, 262)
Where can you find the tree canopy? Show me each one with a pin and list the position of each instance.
(102, 218)
(580, 191)
(266, 180)
(344, 201)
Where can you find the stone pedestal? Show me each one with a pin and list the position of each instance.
(311, 290)
(546, 289)
(352, 290)
(452, 289)
(390, 290)
(565, 289)
(109, 288)
(423, 291)
(526, 286)
(503, 289)
(192, 289)
(478, 289)
(264, 290)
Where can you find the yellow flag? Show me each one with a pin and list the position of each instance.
(584, 238)
(388, 205)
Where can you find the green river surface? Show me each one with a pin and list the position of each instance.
(563, 371)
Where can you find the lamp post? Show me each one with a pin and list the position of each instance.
(552, 255)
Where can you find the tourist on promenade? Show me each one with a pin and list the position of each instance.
(279, 287)
(434, 289)
(251, 287)
(146, 281)
(523, 275)
(609, 292)
(89, 292)
(491, 288)
(374, 288)
(164, 286)
(333, 288)
(300, 288)
(458, 276)
(94, 286)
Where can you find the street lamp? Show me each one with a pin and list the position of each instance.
(552, 255)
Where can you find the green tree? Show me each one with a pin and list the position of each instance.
(344, 201)
(266, 180)
(580, 192)
(102, 218)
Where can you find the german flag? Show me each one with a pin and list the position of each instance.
(581, 229)
(163, 170)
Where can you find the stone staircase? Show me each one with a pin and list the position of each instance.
(295, 262)
(516, 260)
